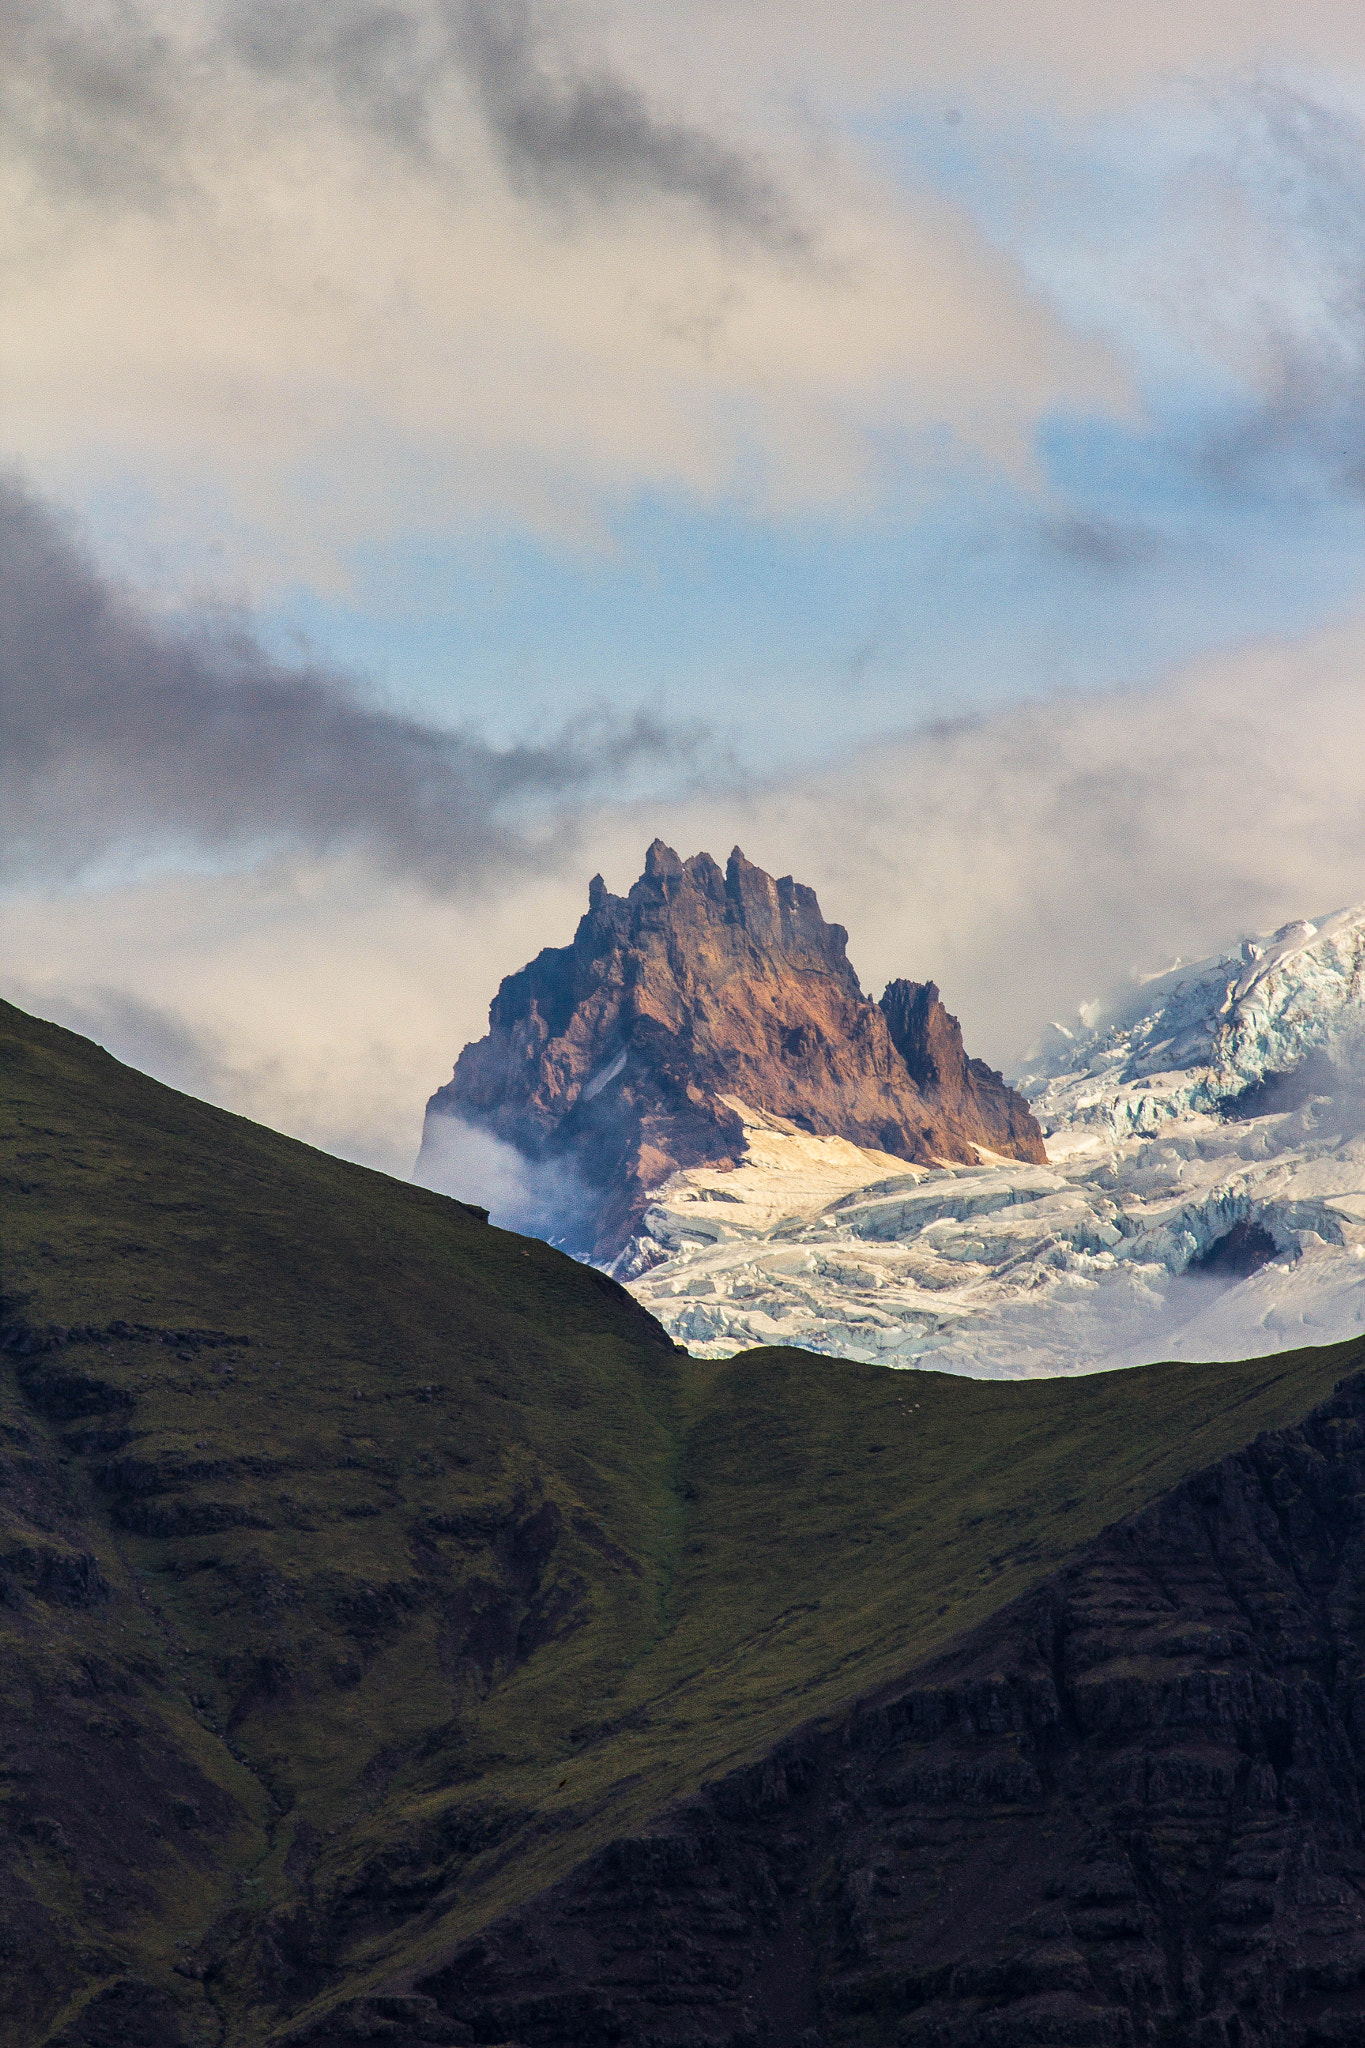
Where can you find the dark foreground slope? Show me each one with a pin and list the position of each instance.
(365, 1571)
(1127, 1809)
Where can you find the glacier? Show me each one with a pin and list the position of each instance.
(1204, 1195)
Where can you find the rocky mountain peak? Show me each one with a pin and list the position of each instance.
(625, 1052)
(762, 916)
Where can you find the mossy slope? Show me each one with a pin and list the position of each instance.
(450, 1573)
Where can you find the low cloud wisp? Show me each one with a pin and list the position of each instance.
(540, 1198)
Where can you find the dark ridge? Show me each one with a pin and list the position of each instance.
(1126, 1809)
(328, 1652)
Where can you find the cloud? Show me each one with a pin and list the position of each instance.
(383, 65)
(596, 134)
(542, 1198)
(124, 733)
(1033, 858)
(102, 103)
(1218, 237)
(571, 130)
(304, 283)
(94, 102)
(322, 997)
(1094, 542)
(380, 277)
(1025, 861)
(1326, 1088)
(145, 1035)
(1288, 308)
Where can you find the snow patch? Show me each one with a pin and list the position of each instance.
(608, 1073)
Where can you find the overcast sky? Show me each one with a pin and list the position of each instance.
(447, 443)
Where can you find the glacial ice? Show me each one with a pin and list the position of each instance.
(1226, 1093)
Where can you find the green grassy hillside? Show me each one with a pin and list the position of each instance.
(326, 1643)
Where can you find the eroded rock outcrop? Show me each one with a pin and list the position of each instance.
(623, 1052)
(972, 1099)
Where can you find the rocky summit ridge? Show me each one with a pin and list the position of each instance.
(701, 996)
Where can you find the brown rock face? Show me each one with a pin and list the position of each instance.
(614, 1053)
(970, 1097)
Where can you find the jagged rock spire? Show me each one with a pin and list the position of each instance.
(624, 1051)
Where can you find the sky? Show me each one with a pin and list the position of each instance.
(446, 443)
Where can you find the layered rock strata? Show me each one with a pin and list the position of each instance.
(1126, 1811)
(621, 1052)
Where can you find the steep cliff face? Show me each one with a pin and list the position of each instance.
(967, 1095)
(1125, 1811)
(624, 1051)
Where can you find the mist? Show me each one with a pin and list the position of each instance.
(539, 1198)
(1033, 860)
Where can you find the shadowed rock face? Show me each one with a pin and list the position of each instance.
(616, 1052)
(967, 1095)
(1126, 1810)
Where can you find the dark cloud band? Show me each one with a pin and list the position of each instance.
(103, 103)
(123, 732)
(595, 134)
